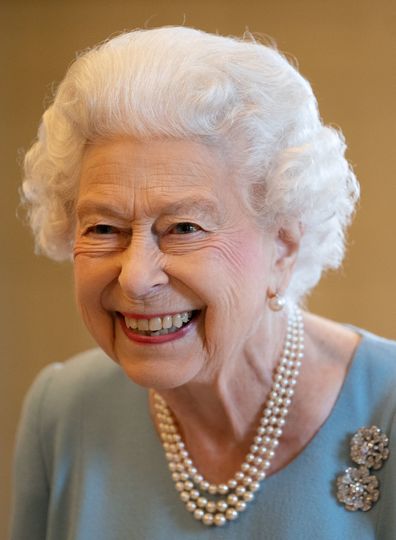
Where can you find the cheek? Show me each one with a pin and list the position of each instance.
(223, 272)
(91, 279)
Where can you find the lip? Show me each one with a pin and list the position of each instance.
(155, 340)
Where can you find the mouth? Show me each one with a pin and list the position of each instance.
(157, 329)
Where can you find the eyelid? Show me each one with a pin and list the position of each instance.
(91, 229)
(195, 225)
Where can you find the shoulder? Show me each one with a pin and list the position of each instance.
(62, 390)
(375, 362)
(86, 369)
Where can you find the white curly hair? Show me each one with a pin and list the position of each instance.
(178, 82)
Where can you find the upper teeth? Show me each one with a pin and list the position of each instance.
(158, 323)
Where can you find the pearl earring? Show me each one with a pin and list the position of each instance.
(276, 302)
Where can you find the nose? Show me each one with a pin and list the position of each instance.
(142, 268)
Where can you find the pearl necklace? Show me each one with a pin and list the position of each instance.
(230, 498)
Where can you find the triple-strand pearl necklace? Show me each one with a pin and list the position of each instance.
(215, 504)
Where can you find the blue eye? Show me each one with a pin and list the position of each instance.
(102, 229)
(184, 228)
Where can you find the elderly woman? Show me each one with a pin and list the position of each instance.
(190, 178)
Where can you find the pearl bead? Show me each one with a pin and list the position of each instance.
(194, 494)
(240, 490)
(184, 496)
(219, 520)
(204, 485)
(188, 486)
(179, 486)
(231, 514)
(212, 489)
(246, 481)
(245, 466)
(222, 489)
(240, 506)
(248, 496)
(221, 505)
(207, 519)
(232, 483)
(232, 499)
(254, 486)
(202, 502)
(211, 507)
(239, 476)
(191, 506)
(198, 514)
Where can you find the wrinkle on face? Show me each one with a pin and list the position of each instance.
(222, 268)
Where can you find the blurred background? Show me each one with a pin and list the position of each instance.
(347, 50)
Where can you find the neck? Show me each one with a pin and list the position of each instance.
(218, 413)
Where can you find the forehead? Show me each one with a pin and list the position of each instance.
(160, 165)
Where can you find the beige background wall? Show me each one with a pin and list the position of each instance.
(346, 48)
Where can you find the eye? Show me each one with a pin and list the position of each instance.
(184, 228)
(101, 229)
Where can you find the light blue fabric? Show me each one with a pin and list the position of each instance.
(89, 465)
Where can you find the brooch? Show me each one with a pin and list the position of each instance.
(357, 489)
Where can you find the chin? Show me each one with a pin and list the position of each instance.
(159, 374)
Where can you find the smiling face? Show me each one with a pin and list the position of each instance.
(171, 272)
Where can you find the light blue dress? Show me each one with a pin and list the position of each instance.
(89, 465)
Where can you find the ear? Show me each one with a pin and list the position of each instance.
(287, 245)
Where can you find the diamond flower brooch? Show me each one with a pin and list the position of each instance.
(357, 489)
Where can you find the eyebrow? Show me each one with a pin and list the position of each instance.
(204, 205)
(89, 206)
